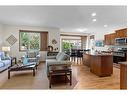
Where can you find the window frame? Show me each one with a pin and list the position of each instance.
(31, 31)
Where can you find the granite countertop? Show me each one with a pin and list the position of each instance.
(98, 54)
(124, 63)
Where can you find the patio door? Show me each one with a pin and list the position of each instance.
(68, 44)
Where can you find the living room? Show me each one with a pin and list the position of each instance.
(83, 31)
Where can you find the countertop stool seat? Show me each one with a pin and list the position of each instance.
(60, 70)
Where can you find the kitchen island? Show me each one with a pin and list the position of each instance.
(100, 64)
(123, 75)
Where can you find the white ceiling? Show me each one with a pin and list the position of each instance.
(67, 18)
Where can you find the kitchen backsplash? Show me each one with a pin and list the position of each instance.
(114, 47)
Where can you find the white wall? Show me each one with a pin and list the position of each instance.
(14, 30)
(1, 33)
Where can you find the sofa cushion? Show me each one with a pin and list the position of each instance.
(7, 62)
(51, 57)
(51, 60)
(58, 55)
(2, 64)
(2, 55)
(63, 57)
(32, 59)
(66, 57)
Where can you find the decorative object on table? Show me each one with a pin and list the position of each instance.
(50, 48)
(11, 40)
(13, 59)
(99, 43)
(54, 41)
(6, 49)
(55, 49)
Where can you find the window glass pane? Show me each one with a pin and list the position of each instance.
(68, 44)
(29, 40)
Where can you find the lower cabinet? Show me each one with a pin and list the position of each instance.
(86, 60)
(123, 75)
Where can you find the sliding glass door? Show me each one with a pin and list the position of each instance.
(68, 44)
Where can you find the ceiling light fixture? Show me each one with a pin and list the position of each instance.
(82, 29)
(93, 14)
(105, 25)
(94, 20)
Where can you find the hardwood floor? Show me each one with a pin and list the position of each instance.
(82, 79)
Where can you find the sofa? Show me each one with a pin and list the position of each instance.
(60, 59)
(5, 61)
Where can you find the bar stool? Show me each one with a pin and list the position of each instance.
(73, 55)
(79, 56)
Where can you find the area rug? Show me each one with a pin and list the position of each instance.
(25, 80)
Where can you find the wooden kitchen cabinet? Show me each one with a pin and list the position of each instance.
(86, 59)
(121, 33)
(100, 64)
(123, 75)
(107, 41)
(110, 39)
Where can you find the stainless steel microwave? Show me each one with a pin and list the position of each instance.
(121, 40)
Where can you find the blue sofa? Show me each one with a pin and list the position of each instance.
(5, 62)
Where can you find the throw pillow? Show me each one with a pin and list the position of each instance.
(31, 54)
(66, 57)
(25, 60)
(7, 57)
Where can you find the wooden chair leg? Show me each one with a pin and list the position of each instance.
(8, 74)
(36, 67)
(74, 59)
(33, 72)
(77, 60)
(50, 80)
(70, 77)
(65, 77)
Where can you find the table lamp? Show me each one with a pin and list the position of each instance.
(6, 49)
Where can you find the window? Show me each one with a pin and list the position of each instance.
(32, 40)
(68, 44)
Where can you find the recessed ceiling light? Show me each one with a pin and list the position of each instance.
(82, 29)
(105, 25)
(94, 20)
(93, 14)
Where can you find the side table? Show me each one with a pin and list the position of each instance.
(13, 59)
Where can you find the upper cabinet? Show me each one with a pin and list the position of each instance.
(110, 39)
(121, 33)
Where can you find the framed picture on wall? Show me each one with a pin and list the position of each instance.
(99, 43)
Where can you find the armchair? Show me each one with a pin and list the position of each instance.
(32, 56)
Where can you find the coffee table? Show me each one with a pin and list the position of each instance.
(20, 67)
(60, 70)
